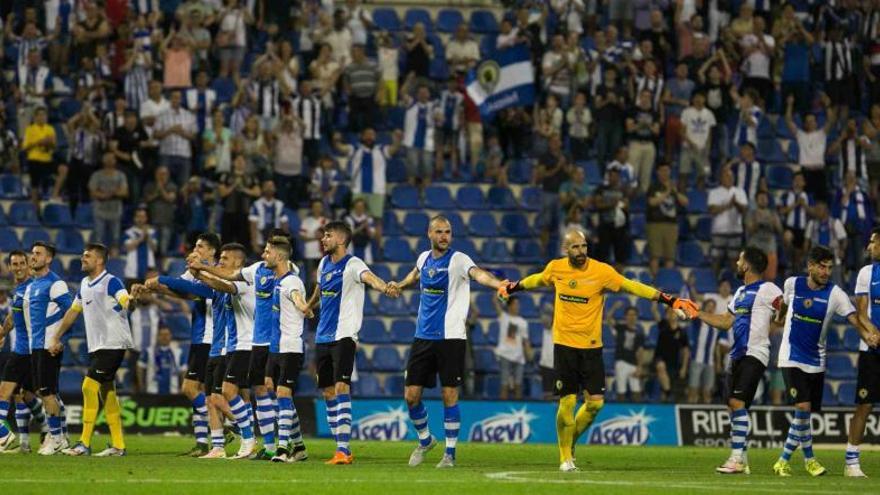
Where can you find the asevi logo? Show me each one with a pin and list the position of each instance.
(383, 425)
(629, 429)
(511, 427)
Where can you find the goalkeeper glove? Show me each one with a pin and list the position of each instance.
(688, 307)
(507, 288)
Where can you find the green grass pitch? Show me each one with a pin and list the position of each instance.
(381, 468)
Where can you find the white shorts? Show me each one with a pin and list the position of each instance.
(623, 378)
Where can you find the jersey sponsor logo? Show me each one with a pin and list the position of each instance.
(384, 425)
(328, 293)
(433, 292)
(625, 429)
(806, 319)
(264, 295)
(574, 299)
(512, 427)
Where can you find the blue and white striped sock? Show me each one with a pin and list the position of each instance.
(242, 419)
(452, 424)
(852, 455)
(266, 420)
(36, 407)
(343, 423)
(792, 441)
(739, 430)
(4, 413)
(331, 416)
(274, 399)
(285, 421)
(55, 426)
(806, 432)
(200, 418)
(296, 437)
(23, 421)
(419, 417)
(63, 414)
(218, 440)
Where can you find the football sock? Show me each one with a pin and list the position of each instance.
(240, 411)
(739, 430)
(452, 425)
(331, 416)
(266, 420)
(200, 418)
(419, 417)
(91, 404)
(4, 413)
(791, 441)
(23, 420)
(803, 417)
(36, 407)
(585, 416)
(113, 414)
(218, 440)
(295, 432)
(852, 455)
(565, 426)
(343, 423)
(285, 421)
(62, 415)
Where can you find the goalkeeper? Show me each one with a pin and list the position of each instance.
(580, 284)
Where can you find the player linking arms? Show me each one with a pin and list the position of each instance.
(580, 284)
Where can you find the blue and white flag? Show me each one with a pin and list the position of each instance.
(506, 79)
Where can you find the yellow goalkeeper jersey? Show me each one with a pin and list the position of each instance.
(580, 299)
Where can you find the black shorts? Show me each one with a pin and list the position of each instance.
(798, 237)
(548, 379)
(578, 369)
(41, 174)
(257, 367)
(198, 362)
(104, 363)
(45, 369)
(18, 369)
(801, 387)
(237, 365)
(214, 373)
(746, 374)
(868, 382)
(334, 362)
(283, 368)
(428, 358)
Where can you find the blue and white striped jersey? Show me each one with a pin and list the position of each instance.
(868, 284)
(18, 337)
(342, 298)
(418, 126)
(287, 321)
(445, 295)
(753, 307)
(45, 302)
(240, 324)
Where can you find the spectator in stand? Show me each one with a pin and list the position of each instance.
(177, 61)
(513, 349)
(722, 298)
(727, 203)
(748, 172)
(267, 89)
(812, 141)
(627, 172)
(556, 71)
(828, 231)
(35, 85)
(575, 192)
(236, 190)
(613, 206)
(610, 113)
(311, 229)
(126, 144)
(289, 172)
(324, 182)
(160, 197)
(795, 207)
(161, 367)
(852, 150)
(462, 52)
(38, 145)
(339, 37)
(579, 120)
(367, 164)
(491, 164)
(515, 133)
(419, 53)
(643, 128)
(545, 361)
(871, 128)
(361, 80)
(144, 328)
(252, 144)
(714, 77)
(629, 356)
(793, 50)
(108, 188)
(697, 124)
(175, 130)
(672, 356)
(201, 101)
(86, 142)
(325, 74)
(839, 70)
(664, 204)
(750, 115)
(9, 147)
(389, 69)
(140, 243)
(552, 170)
(757, 55)
(853, 207)
(198, 37)
(448, 132)
(763, 229)
(548, 122)
(419, 122)
(676, 96)
(705, 358)
(231, 37)
(267, 214)
(196, 204)
(363, 230)
(307, 107)
(217, 146)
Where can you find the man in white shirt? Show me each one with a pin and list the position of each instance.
(811, 141)
(727, 203)
(828, 231)
(176, 129)
(462, 52)
(698, 122)
(513, 348)
(266, 214)
(556, 69)
(154, 105)
(757, 48)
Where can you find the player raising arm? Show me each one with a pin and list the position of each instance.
(580, 284)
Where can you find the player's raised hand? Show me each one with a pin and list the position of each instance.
(688, 307)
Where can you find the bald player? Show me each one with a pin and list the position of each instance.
(580, 284)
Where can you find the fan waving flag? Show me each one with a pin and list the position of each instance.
(506, 79)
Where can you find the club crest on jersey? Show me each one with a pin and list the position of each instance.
(262, 280)
(572, 283)
(328, 277)
(431, 272)
(808, 302)
(511, 427)
(863, 393)
(792, 392)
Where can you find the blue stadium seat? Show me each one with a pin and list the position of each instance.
(646, 309)
(8, 240)
(592, 173)
(422, 244)
(846, 392)
(705, 280)
(840, 367)
(530, 199)
(33, 235)
(493, 333)
(415, 224)
(484, 361)
(70, 381)
(501, 198)
(382, 271)
(467, 247)
(116, 266)
(74, 269)
(438, 69)
(179, 325)
(361, 361)
(536, 334)
(779, 176)
(833, 340)
(396, 171)
(448, 20)
(225, 88)
(459, 229)
(527, 307)
(416, 15)
(485, 305)
(84, 218)
(402, 331)
(69, 241)
(482, 225)
(369, 305)
(690, 254)
(405, 197)
(306, 385)
(769, 151)
(637, 204)
(496, 251)
(68, 107)
(373, 332)
(393, 307)
(483, 22)
(697, 201)
(390, 225)
(703, 229)
(398, 250)
(669, 279)
(438, 198)
(68, 358)
(23, 214)
(386, 19)
(534, 388)
(851, 339)
(527, 251)
(11, 187)
(478, 337)
(470, 198)
(394, 385)
(515, 225)
(651, 338)
(828, 396)
(386, 359)
(491, 386)
(637, 225)
(367, 385)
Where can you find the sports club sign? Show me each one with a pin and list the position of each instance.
(709, 426)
